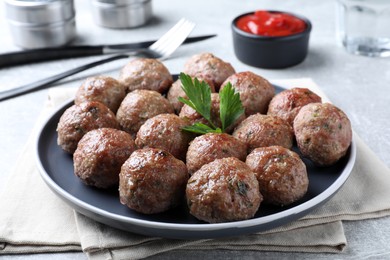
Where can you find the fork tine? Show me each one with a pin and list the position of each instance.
(172, 35)
(168, 34)
(177, 39)
(170, 41)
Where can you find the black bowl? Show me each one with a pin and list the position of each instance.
(268, 51)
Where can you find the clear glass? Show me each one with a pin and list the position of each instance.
(363, 26)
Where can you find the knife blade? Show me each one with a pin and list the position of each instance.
(46, 54)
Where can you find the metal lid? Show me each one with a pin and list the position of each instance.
(121, 13)
(39, 12)
(122, 2)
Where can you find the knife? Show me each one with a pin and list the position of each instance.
(46, 54)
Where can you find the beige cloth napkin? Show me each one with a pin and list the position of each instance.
(33, 219)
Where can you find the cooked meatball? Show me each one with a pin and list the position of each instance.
(255, 91)
(223, 190)
(281, 174)
(323, 133)
(77, 120)
(175, 91)
(99, 156)
(194, 117)
(208, 147)
(104, 89)
(263, 130)
(152, 181)
(164, 131)
(287, 103)
(140, 105)
(144, 73)
(208, 67)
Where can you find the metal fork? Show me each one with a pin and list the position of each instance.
(161, 50)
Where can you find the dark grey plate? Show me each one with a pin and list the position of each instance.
(56, 168)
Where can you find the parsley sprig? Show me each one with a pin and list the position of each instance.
(199, 98)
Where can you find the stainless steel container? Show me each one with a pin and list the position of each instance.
(121, 13)
(41, 23)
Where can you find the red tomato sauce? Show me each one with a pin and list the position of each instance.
(271, 24)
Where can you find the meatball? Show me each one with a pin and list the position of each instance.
(287, 103)
(77, 120)
(140, 105)
(223, 190)
(281, 174)
(99, 156)
(323, 133)
(152, 181)
(164, 131)
(263, 130)
(255, 91)
(208, 67)
(176, 91)
(104, 89)
(194, 117)
(144, 73)
(208, 147)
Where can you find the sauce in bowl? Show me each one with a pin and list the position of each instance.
(271, 24)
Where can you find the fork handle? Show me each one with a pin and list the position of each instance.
(44, 83)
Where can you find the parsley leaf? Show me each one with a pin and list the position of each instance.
(199, 98)
(230, 106)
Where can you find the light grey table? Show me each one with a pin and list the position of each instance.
(359, 85)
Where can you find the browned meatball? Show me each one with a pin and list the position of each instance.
(144, 73)
(99, 156)
(140, 105)
(104, 89)
(208, 67)
(263, 130)
(208, 147)
(255, 91)
(323, 133)
(152, 181)
(287, 103)
(281, 174)
(194, 117)
(176, 91)
(77, 120)
(223, 190)
(164, 131)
